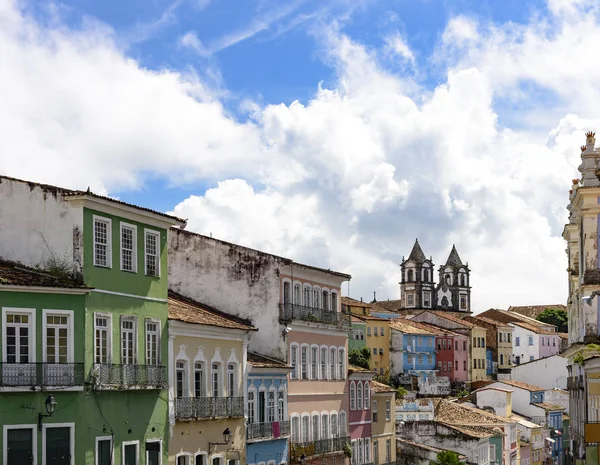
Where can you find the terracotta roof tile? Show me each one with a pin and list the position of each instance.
(460, 414)
(413, 327)
(357, 369)
(183, 308)
(15, 274)
(378, 387)
(355, 303)
(454, 318)
(547, 406)
(389, 305)
(522, 385)
(510, 317)
(533, 311)
(260, 361)
(475, 319)
(533, 328)
(357, 320)
(474, 431)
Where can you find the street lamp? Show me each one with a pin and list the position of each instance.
(226, 440)
(50, 408)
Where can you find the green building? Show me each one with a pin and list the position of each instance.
(84, 335)
(357, 338)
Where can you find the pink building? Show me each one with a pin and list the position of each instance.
(452, 356)
(359, 419)
(549, 343)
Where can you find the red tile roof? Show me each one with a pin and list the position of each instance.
(15, 274)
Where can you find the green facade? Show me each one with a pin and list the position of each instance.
(354, 341)
(497, 441)
(103, 405)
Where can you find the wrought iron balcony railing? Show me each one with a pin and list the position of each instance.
(191, 408)
(41, 374)
(113, 376)
(315, 448)
(290, 312)
(268, 430)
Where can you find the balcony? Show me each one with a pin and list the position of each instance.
(193, 408)
(315, 448)
(34, 375)
(112, 376)
(291, 312)
(256, 431)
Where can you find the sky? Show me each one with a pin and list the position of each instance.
(333, 132)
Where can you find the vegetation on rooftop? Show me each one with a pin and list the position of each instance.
(447, 457)
(360, 358)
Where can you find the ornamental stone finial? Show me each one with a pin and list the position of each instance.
(590, 139)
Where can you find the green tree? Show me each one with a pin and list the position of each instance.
(360, 358)
(447, 457)
(555, 316)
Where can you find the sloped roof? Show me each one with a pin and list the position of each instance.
(389, 305)
(73, 193)
(184, 309)
(522, 385)
(416, 254)
(533, 311)
(378, 387)
(486, 320)
(510, 317)
(453, 259)
(356, 320)
(371, 318)
(261, 361)
(474, 431)
(460, 414)
(413, 327)
(533, 328)
(453, 318)
(15, 274)
(563, 335)
(355, 303)
(547, 406)
(357, 369)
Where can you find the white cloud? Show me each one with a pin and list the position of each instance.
(394, 43)
(349, 178)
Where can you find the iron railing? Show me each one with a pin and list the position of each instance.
(189, 408)
(113, 376)
(41, 374)
(315, 448)
(289, 312)
(267, 430)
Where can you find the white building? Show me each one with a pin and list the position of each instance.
(414, 410)
(526, 343)
(548, 372)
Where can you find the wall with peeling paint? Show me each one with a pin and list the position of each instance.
(36, 223)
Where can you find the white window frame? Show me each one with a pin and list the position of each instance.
(160, 445)
(112, 448)
(133, 228)
(305, 365)
(323, 362)
(71, 426)
(235, 387)
(34, 437)
(205, 454)
(294, 370)
(352, 395)
(108, 221)
(410, 304)
(137, 450)
(134, 319)
(367, 396)
(388, 410)
(158, 324)
(31, 313)
(341, 355)
(70, 336)
(184, 454)
(342, 423)
(251, 404)
(109, 332)
(186, 375)
(219, 372)
(332, 362)
(359, 396)
(282, 412)
(314, 362)
(152, 232)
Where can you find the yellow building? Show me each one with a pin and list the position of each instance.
(383, 427)
(208, 359)
(377, 337)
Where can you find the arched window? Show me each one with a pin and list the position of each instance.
(425, 275)
(295, 429)
(181, 386)
(352, 395)
(409, 275)
(359, 396)
(231, 380)
(316, 298)
(271, 404)
(281, 396)
(448, 279)
(334, 425)
(315, 427)
(325, 300)
(305, 427)
(332, 359)
(199, 379)
(341, 360)
(216, 386)
(342, 424)
(324, 426)
(306, 296)
(367, 396)
(252, 405)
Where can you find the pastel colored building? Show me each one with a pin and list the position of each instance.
(383, 426)
(452, 356)
(268, 425)
(359, 415)
(107, 332)
(298, 310)
(413, 348)
(414, 410)
(499, 341)
(357, 338)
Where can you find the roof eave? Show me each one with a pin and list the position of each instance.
(46, 290)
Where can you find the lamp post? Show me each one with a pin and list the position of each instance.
(50, 408)
(226, 440)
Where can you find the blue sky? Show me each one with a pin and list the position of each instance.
(333, 132)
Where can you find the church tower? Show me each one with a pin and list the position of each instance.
(453, 292)
(416, 285)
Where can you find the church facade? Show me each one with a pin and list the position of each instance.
(418, 289)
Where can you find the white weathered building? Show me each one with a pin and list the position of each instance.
(547, 372)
